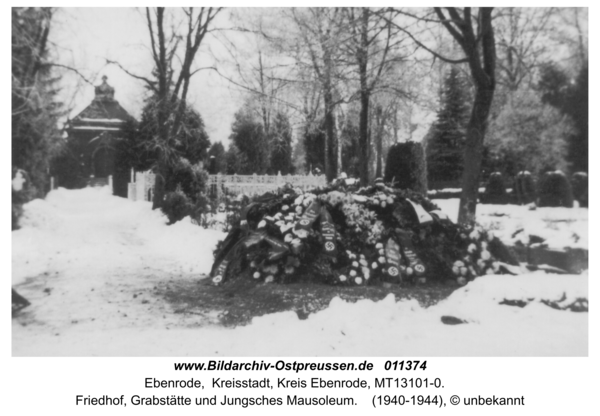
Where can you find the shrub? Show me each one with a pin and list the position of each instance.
(192, 179)
(555, 190)
(177, 206)
(524, 188)
(189, 181)
(495, 191)
(200, 209)
(406, 167)
(579, 182)
(199, 183)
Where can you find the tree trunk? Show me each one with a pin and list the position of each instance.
(379, 143)
(170, 102)
(163, 137)
(160, 174)
(330, 156)
(474, 154)
(339, 129)
(263, 90)
(364, 144)
(159, 189)
(363, 137)
(480, 51)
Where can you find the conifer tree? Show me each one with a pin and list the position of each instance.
(35, 111)
(446, 146)
(233, 160)
(139, 148)
(281, 145)
(249, 137)
(174, 45)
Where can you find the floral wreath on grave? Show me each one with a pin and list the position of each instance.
(338, 235)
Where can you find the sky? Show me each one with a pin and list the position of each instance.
(87, 37)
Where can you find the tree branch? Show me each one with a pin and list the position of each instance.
(70, 69)
(431, 51)
(455, 33)
(152, 40)
(151, 84)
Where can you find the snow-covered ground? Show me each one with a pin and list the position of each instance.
(559, 227)
(89, 262)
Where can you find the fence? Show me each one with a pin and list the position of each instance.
(141, 187)
(221, 185)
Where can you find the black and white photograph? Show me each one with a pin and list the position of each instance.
(299, 182)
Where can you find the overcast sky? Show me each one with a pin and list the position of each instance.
(86, 37)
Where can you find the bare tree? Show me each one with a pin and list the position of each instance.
(253, 67)
(475, 36)
(370, 47)
(266, 88)
(173, 53)
(521, 41)
(570, 29)
(35, 109)
(321, 35)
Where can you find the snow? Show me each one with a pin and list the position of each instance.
(102, 120)
(90, 230)
(433, 192)
(96, 128)
(89, 262)
(559, 227)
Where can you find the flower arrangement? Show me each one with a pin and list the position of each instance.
(375, 235)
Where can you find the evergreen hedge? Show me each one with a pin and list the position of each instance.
(555, 190)
(495, 191)
(524, 188)
(579, 182)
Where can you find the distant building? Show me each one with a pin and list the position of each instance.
(92, 135)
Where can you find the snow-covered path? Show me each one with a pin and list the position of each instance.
(90, 262)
